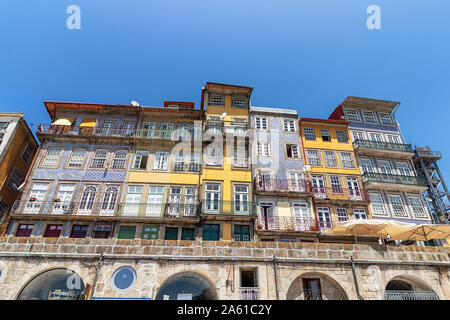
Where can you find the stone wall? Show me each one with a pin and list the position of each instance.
(155, 261)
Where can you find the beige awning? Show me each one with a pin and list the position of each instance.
(66, 121)
(88, 122)
(359, 227)
(422, 232)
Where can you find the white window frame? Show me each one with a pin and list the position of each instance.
(343, 135)
(325, 133)
(378, 208)
(289, 125)
(360, 214)
(161, 161)
(349, 117)
(351, 160)
(293, 153)
(395, 206)
(263, 149)
(363, 165)
(96, 159)
(356, 133)
(369, 116)
(308, 158)
(419, 211)
(52, 160)
(309, 134)
(261, 123)
(77, 159)
(383, 121)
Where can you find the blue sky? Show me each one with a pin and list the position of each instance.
(302, 54)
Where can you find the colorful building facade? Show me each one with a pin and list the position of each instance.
(384, 159)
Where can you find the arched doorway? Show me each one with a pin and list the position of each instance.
(408, 288)
(55, 284)
(187, 286)
(315, 286)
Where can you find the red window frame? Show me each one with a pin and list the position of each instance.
(53, 233)
(24, 232)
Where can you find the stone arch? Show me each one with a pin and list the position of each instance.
(408, 287)
(321, 287)
(187, 283)
(58, 283)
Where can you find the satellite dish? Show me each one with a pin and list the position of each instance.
(306, 168)
(223, 115)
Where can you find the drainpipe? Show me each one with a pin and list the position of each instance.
(275, 275)
(355, 279)
(97, 269)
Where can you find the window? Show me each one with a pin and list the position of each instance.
(76, 158)
(174, 201)
(241, 233)
(132, 204)
(309, 134)
(155, 203)
(347, 160)
(393, 138)
(87, 199)
(187, 234)
(161, 159)
(27, 153)
(342, 214)
(215, 125)
(366, 165)
(263, 149)
(214, 155)
(109, 200)
(53, 231)
(417, 207)
(127, 232)
(352, 115)
(301, 216)
(385, 118)
(99, 159)
(3, 208)
(335, 184)
(148, 129)
(330, 159)
(63, 198)
(102, 231)
(24, 230)
(79, 231)
(128, 128)
(313, 157)
(216, 99)
(171, 233)
(369, 116)
(358, 135)
(377, 204)
(240, 158)
(189, 202)
(397, 205)
(261, 123)
(292, 151)
(150, 232)
(123, 279)
(241, 205)
(194, 162)
(166, 129)
(360, 214)
(375, 136)
(212, 196)
(179, 161)
(324, 216)
(385, 166)
(341, 136)
(325, 135)
(15, 181)
(109, 128)
(141, 159)
(289, 125)
(211, 232)
(120, 157)
(403, 168)
(37, 195)
(52, 157)
(239, 101)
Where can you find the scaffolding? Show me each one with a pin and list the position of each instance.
(436, 197)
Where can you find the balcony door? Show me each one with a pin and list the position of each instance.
(87, 199)
(265, 181)
(353, 189)
(323, 213)
(189, 202)
(62, 202)
(311, 289)
(267, 214)
(109, 200)
(149, 129)
(300, 213)
(295, 182)
(241, 199)
(175, 202)
(155, 201)
(36, 199)
(109, 128)
(212, 196)
(132, 201)
(319, 187)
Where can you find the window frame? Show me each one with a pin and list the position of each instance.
(358, 118)
(308, 158)
(105, 161)
(58, 162)
(308, 135)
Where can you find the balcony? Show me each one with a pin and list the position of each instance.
(374, 179)
(286, 224)
(180, 166)
(410, 295)
(235, 208)
(340, 194)
(65, 131)
(166, 210)
(381, 148)
(32, 206)
(250, 293)
(317, 294)
(276, 186)
(154, 134)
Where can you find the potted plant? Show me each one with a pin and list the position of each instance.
(57, 200)
(32, 199)
(259, 227)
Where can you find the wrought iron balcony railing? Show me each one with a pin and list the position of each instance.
(410, 295)
(317, 294)
(286, 224)
(180, 166)
(238, 208)
(169, 210)
(380, 145)
(372, 177)
(34, 206)
(85, 131)
(281, 185)
(336, 193)
(154, 134)
(249, 293)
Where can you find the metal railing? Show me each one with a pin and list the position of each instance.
(317, 294)
(249, 293)
(410, 295)
(187, 166)
(380, 145)
(336, 193)
(85, 131)
(155, 133)
(34, 206)
(242, 208)
(290, 185)
(170, 210)
(393, 179)
(286, 224)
